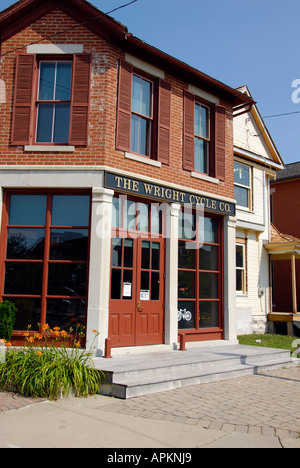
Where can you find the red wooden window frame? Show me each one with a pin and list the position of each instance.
(26, 98)
(44, 296)
(196, 270)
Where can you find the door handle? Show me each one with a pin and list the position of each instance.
(140, 309)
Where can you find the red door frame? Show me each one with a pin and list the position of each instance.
(137, 322)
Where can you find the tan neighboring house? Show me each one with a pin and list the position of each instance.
(256, 162)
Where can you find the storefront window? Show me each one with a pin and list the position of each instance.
(199, 273)
(46, 263)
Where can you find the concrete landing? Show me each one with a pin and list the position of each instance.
(132, 375)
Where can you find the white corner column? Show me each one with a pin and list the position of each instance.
(99, 270)
(171, 291)
(230, 317)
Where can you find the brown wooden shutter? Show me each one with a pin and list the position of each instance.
(80, 99)
(124, 106)
(22, 107)
(220, 138)
(220, 152)
(188, 131)
(164, 122)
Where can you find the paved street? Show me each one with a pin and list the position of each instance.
(256, 409)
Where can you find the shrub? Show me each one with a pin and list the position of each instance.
(8, 312)
(46, 371)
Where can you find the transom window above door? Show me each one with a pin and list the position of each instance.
(54, 102)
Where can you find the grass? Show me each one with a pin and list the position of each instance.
(271, 341)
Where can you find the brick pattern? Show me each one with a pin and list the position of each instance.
(102, 120)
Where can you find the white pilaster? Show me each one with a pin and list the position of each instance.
(171, 294)
(99, 271)
(230, 318)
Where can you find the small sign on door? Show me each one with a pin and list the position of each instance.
(127, 288)
(145, 295)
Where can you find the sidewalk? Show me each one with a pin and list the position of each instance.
(255, 411)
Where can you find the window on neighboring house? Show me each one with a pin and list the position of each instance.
(143, 114)
(242, 185)
(51, 100)
(201, 121)
(241, 286)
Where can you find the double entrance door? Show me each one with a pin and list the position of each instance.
(136, 316)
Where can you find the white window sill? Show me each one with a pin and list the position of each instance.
(49, 149)
(205, 177)
(142, 159)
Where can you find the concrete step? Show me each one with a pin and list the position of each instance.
(130, 376)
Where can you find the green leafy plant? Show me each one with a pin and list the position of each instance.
(8, 312)
(49, 370)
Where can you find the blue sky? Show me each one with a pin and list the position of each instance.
(238, 42)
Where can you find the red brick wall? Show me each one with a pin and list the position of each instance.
(101, 147)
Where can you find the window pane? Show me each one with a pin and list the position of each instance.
(116, 284)
(136, 94)
(25, 243)
(44, 123)
(143, 217)
(28, 312)
(117, 213)
(146, 98)
(61, 123)
(23, 278)
(145, 255)
(63, 81)
(47, 80)
(116, 260)
(69, 244)
(65, 313)
(156, 219)
(67, 279)
(140, 135)
(241, 174)
(130, 215)
(240, 256)
(128, 253)
(208, 285)
(145, 284)
(187, 228)
(210, 230)
(208, 314)
(155, 256)
(70, 210)
(242, 196)
(155, 286)
(186, 256)
(208, 257)
(201, 121)
(201, 155)
(239, 280)
(186, 284)
(28, 210)
(186, 314)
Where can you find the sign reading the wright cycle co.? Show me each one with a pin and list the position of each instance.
(159, 192)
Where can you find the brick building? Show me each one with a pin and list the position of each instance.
(117, 182)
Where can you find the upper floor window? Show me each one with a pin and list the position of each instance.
(51, 100)
(242, 184)
(201, 121)
(54, 102)
(202, 134)
(143, 114)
